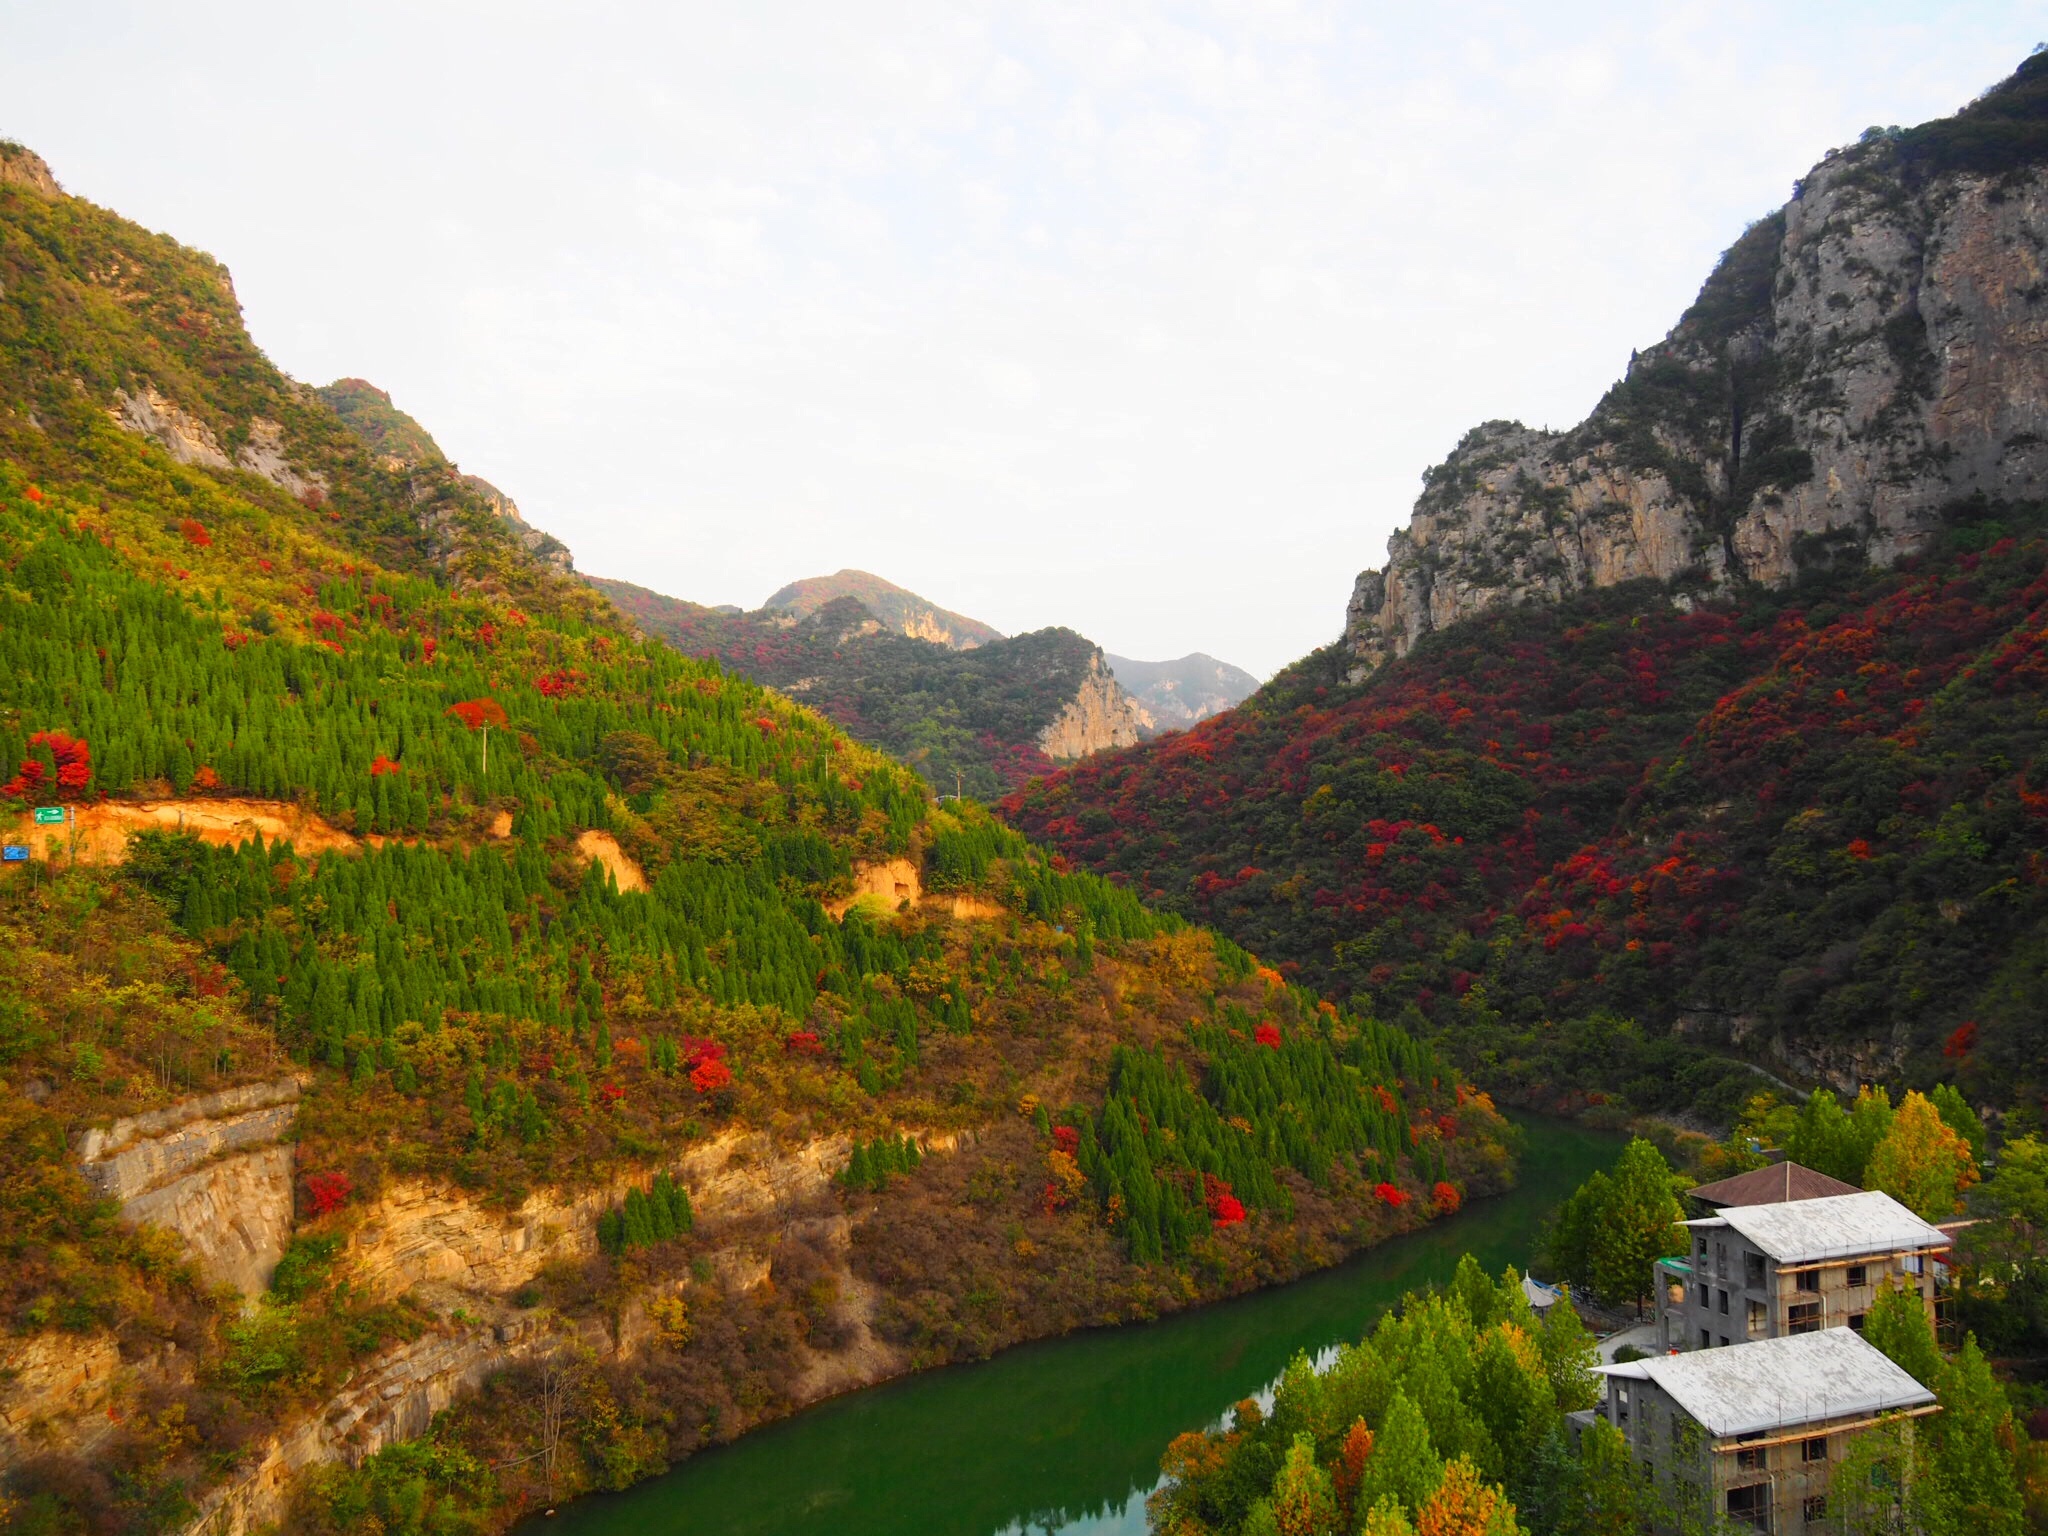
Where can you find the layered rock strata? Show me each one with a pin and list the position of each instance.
(213, 1169)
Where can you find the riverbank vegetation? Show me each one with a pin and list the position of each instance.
(1450, 1418)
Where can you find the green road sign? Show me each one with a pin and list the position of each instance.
(46, 814)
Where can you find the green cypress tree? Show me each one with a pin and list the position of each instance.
(1404, 1466)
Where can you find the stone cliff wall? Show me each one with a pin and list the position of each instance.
(210, 1168)
(1099, 716)
(1873, 352)
(462, 1259)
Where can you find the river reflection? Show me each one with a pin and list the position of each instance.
(1063, 1437)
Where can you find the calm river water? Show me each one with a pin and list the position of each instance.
(1062, 1436)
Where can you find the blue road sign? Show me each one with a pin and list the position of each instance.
(14, 853)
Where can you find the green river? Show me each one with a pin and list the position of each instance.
(1063, 1435)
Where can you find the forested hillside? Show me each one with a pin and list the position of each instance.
(597, 942)
(1575, 841)
(977, 713)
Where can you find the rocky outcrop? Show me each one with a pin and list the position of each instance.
(212, 1169)
(148, 413)
(393, 1398)
(1873, 352)
(418, 1234)
(462, 1260)
(544, 547)
(1099, 716)
(20, 167)
(891, 882)
(54, 1390)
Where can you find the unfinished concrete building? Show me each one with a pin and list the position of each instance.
(1792, 1267)
(1754, 1433)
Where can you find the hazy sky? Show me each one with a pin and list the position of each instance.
(1141, 318)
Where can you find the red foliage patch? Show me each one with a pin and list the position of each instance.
(381, 765)
(1445, 1199)
(206, 778)
(328, 1191)
(1389, 1194)
(477, 713)
(1067, 1139)
(803, 1042)
(609, 1094)
(70, 758)
(33, 494)
(559, 684)
(195, 532)
(710, 1074)
(1225, 1209)
(1268, 1035)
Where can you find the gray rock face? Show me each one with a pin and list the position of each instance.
(210, 1168)
(1876, 350)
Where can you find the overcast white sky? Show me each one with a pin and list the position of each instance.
(1143, 318)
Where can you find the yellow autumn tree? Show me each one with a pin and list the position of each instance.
(1922, 1162)
(1464, 1504)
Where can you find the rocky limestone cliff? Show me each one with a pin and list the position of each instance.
(54, 1389)
(21, 167)
(1099, 716)
(462, 1259)
(1873, 352)
(212, 1169)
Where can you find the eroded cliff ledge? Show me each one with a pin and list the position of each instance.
(1874, 351)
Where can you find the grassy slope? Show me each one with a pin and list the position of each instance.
(489, 1012)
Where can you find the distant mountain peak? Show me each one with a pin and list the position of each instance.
(1175, 694)
(898, 608)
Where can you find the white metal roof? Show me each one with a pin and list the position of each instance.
(1831, 1227)
(1777, 1384)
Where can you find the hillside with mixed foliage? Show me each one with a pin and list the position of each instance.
(898, 609)
(1576, 841)
(976, 713)
(218, 587)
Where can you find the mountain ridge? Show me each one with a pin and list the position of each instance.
(897, 607)
(1709, 732)
(1856, 361)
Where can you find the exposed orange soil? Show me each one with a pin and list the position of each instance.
(603, 848)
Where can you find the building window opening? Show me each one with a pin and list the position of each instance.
(1722, 1296)
(1859, 1274)
(1753, 1458)
(1814, 1508)
(1751, 1506)
(1815, 1449)
(1803, 1319)
(1753, 1271)
(1856, 1321)
(1809, 1280)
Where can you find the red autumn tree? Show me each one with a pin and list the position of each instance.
(381, 765)
(710, 1074)
(1268, 1035)
(195, 532)
(328, 1191)
(480, 715)
(1445, 1198)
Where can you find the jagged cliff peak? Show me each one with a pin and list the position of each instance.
(1858, 360)
(21, 166)
(896, 607)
